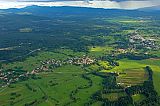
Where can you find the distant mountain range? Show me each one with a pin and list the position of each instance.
(50, 11)
(150, 9)
(35, 7)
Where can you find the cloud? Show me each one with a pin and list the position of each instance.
(139, 4)
(116, 4)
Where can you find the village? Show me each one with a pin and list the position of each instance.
(139, 41)
(14, 75)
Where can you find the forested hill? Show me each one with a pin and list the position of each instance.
(82, 11)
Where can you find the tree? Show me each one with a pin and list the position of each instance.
(0, 65)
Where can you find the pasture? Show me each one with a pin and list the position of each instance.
(53, 88)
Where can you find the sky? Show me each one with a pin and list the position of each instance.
(108, 4)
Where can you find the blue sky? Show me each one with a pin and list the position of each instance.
(116, 4)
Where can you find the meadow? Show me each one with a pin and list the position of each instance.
(51, 88)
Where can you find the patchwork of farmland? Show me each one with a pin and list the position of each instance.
(132, 77)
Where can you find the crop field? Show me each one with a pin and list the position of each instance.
(130, 64)
(131, 77)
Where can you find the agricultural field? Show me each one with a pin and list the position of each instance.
(137, 66)
(132, 77)
(63, 80)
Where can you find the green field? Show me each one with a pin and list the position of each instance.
(139, 64)
(52, 88)
(138, 97)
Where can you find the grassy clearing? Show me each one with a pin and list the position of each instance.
(132, 21)
(93, 67)
(99, 51)
(104, 64)
(23, 30)
(97, 103)
(126, 20)
(138, 97)
(126, 64)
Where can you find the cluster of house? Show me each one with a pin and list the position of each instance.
(138, 40)
(50, 64)
(80, 60)
(11, 76)
(47, 65)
